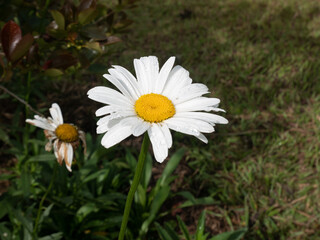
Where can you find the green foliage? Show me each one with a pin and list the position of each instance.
(168, 233)
(260, 172)
(70, 38)
(89, 202)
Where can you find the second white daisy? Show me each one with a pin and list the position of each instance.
(156, 101)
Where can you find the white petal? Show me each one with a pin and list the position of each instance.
(68, 157)
(104, 110)
(56, 114)
(177, 79)
(120, 114)
(48, 120)
(115, 135)
(126, 76)
(143, 82)
(181, 126)
(126, 90)
(189, 92)
(198, 104)
(62, 152)
(104, 120)
(202, 138)
(167, 134)
(109, 96)
(107, 124)
(48, 146)
(140, 128)
(158, 141)
(217, 109)
(55, 147)
(208, 117)
(163, 75)
(131, 121)
(151, 68)
(41, 123)
(199, 125)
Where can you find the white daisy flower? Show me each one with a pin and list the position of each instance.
(156, 101)
(64, 137)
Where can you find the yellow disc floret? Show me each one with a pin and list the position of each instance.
(154, 107)
(67, 133)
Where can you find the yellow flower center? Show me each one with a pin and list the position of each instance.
(154, 107)
(67, 133)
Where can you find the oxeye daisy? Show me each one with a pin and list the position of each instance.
(154, 101)
(64, 137)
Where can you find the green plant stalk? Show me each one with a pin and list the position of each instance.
(28, 93)
(134, 185)
(35, 229)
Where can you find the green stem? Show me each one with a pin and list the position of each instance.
(35, 229)
(134, 185)
(28, 92)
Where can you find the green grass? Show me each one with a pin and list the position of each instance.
(261, 58)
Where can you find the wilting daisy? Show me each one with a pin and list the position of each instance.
(155, 101)
(64, 137)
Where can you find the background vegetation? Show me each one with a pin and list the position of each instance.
(259, 174)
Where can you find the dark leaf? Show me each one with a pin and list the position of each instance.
(87, 15)
(22, 47)
(10, 36)
(53, 72)
(53, 236)
(85, 4)
(62, 60)
(233, 235)
(1, 62)
(2, 67)
(8, 74)
(111, 40)
(94, 46)
(58, 18)
(68, 10)
(164, 235)
(33, 54)
(122, 24)
(94, 33)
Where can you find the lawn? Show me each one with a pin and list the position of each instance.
(261, 59)
(260, 172)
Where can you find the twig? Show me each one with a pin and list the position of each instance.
(20, 100)
(254, 131)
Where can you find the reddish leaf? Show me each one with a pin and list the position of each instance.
(63, 61)
(47, 64)
(10, 36)
(22, 47)
(1, 62)
(111, 40)
(33, 54)
(1, 68)
(85, 4)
